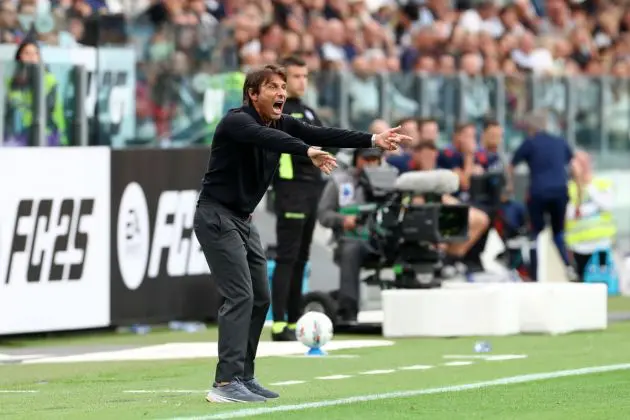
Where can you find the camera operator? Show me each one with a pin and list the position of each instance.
(424, 158)
(344, 191)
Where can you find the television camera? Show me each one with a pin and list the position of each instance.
(403, 234)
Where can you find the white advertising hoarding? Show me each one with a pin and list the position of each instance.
(54, 239)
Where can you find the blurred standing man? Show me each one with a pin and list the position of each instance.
(297, 185)
(342, 194)
(547, 157)
(244, 157)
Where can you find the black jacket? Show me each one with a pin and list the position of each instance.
(299, 168)
(245, 153)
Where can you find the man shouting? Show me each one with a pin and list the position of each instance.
(244, 157)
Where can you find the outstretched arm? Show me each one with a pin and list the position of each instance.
(337, 137)
(327, 136)
(242, 128)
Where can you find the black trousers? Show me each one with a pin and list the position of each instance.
(231, 245)
(296, 215)
(555, 206)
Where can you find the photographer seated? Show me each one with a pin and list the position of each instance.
(342, 194)
(425, 156)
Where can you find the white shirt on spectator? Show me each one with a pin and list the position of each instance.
(539, 60)
(332, 52)
(547, 27)
(252, 47)
(472, 22)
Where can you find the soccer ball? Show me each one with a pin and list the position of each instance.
(314, 330)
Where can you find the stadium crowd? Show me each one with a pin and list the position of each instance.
(474, 36)
(470, 40)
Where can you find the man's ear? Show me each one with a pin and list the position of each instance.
(252, 95)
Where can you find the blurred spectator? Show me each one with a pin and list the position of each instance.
(19, 115)
(446, 42)
(378, 126)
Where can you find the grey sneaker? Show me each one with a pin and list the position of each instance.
(258, 389)
(235, 391)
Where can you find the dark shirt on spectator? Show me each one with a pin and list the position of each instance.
(547, 157)
(400, 162)
(450, 158)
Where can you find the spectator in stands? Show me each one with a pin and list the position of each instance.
(401, 160)
(378, 126)
(557, 20)
(462, 157)
(475, 92)
(510, 214)
(10, 31)
(429, 130)
(431, 37)
(18, 118)
(491, 144)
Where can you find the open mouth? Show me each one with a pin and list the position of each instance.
(277, 106)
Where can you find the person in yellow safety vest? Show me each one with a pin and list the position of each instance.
(590, 226)
(19, 107)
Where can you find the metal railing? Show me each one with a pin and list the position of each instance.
(135, 104)
(109, 99)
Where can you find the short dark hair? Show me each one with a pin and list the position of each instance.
(258, 77)
(462, 126)
(292, 60)
(424, 144)
(491, 123)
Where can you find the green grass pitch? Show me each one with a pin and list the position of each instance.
(175, 389)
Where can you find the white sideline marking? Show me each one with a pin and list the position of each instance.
(500, 357)
(461, 363)
(486, 357)
(377, 372)
(17, 391)
(416, 367)
(287, 383)
(165, 391)
(333, 377)
(510, 380)
(328, 356)
(19, 357)
(203, 350)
